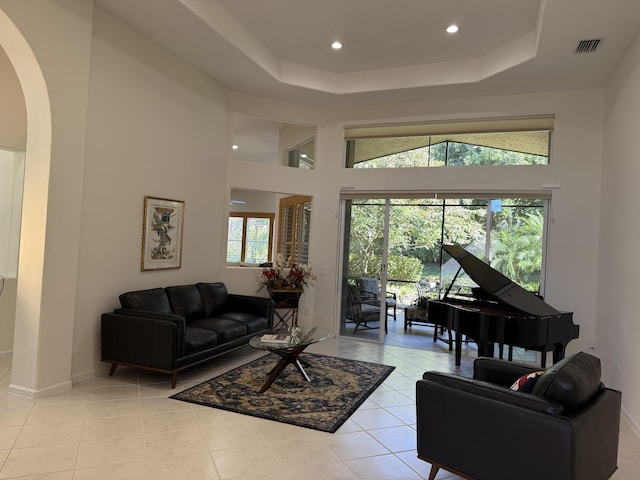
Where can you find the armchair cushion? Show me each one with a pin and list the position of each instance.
(572, 382)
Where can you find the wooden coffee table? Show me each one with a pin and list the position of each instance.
(289, 352)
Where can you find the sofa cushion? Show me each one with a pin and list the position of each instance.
(226, 329)
(214, 295)
(197, 339)
(154, 299)
(572, 381)
(254, 323)
(186, 301)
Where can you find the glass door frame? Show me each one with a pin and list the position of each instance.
(382, 318)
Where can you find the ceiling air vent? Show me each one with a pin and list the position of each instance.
(588, 46)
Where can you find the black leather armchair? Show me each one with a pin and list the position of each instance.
(567, 428)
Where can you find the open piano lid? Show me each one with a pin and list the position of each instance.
(499, 286)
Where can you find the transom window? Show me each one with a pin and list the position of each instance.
(486, 142)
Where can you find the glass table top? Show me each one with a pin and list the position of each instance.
(305, 337)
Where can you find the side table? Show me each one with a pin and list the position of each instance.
(286, 306)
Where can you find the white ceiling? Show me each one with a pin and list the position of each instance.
(393, 50)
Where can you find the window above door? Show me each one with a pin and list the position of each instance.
(516, 141)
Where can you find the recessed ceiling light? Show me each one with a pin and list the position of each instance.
(234, 147)
(336, 45)
(452, 29)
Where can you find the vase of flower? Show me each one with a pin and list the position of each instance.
(285, 283)
(280, 277)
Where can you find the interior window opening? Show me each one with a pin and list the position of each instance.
(302, 156)
(262, 225)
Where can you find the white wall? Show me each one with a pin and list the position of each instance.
(11, 184)
(11, 181)
(619, 267)
(155, 127)
(54, 82)
(577, 145)
(152, 126)
(13, 115)
(13, 136)
(7, 315)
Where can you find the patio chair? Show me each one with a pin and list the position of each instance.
(370, 290)
(360, 312)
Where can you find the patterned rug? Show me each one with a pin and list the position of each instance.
(337, 388)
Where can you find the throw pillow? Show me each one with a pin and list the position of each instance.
(526, 382)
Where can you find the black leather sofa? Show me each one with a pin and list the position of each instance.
(173, 328)
(566, 428)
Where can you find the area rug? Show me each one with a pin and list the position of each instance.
(337, 388)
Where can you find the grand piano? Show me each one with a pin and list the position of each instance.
(500, 312)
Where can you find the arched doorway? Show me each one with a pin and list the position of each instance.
(28, 338)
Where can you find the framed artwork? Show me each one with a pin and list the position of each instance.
(162, 233)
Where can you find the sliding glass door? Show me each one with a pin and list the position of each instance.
(364, 268)
(392, 248)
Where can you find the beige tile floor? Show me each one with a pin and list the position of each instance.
(125, 427)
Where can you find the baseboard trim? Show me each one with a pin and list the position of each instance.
(45, 392)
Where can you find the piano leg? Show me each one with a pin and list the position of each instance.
(558, 352)
(501, 352)
(458, 348)
(485, 349)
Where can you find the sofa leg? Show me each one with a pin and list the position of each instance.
(433, 472)
(112, 369)
(174, 379)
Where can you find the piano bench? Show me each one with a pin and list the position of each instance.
(418, 316)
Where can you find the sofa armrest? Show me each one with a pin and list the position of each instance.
(138, 338)
(500, 372)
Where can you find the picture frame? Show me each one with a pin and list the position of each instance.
(162, 233)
